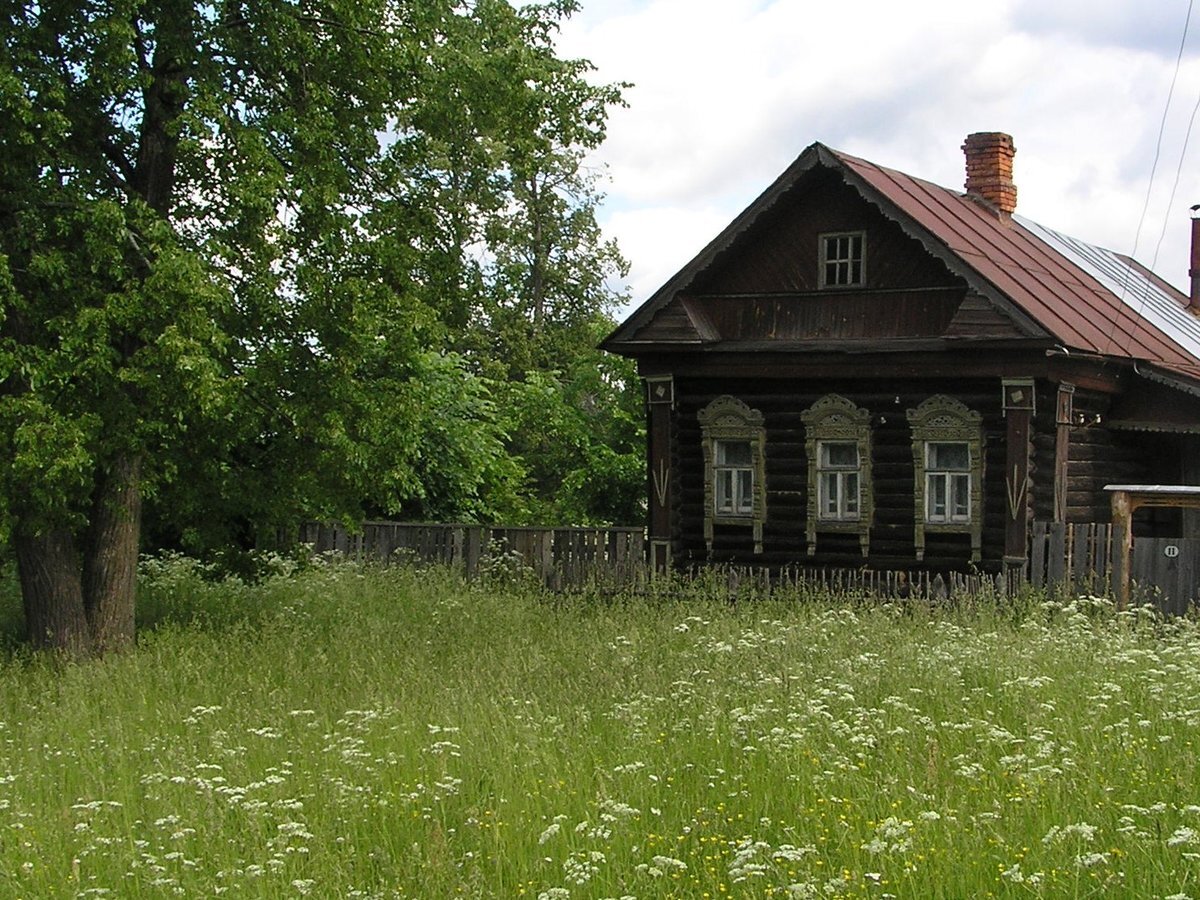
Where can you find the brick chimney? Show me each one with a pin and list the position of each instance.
(1194, 303)
(989, 169)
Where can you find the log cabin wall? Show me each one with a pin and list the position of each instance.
(892, 536)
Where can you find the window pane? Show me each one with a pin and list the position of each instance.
(851, 486)
(961, 487)
(839, 453)
(733, 453)
(745, 490)
(829, 494)
(947, 456)
(724, 490)
(937, 497)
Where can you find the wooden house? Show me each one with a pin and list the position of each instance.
(867, 369)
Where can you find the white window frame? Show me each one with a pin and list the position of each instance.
(845, 479)
(942, 419)
(733, 483)
(955, 483)
(831, 420)
(838, 250)
(734, 494)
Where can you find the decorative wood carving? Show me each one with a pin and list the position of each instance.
(834, 418)
(729, 419)
(943, 418)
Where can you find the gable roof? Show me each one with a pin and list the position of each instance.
(1084, 298)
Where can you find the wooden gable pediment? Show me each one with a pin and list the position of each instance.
(759, 283)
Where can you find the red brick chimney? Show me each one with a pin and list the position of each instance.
(989, 169)
(1194, 271)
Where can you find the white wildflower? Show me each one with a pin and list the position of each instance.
(1183, 835)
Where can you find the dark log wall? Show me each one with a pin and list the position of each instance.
(892, 536)
(780, 253)
(1101, 455)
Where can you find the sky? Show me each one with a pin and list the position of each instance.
(725, 94)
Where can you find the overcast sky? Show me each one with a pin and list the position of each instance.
(726, 93)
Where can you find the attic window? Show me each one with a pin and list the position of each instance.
(842, 257)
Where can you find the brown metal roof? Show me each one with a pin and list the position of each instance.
(1082, 297)
(1016, 257)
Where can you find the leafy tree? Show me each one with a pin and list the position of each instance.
(231, 235)
(578, 434)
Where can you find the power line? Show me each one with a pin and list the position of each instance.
(1162, 127)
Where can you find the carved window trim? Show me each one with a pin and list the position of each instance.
(942, 419)
(832, 419)
(729, 419)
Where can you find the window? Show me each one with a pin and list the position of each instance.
(842, 259)
(733, 471)
(947, 446)
(837, 481)
(838, 446)
(734, 446)
(947, 482)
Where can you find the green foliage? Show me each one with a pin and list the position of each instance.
(579, 435)
(288, 259)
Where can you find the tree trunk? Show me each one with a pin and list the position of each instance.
(110, 564)
(48, 566)
(85, 607)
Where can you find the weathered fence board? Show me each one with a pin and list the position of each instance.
(1168, 571)
(1076, 558)
(560, 557)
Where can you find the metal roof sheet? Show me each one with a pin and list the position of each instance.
(1070, 288)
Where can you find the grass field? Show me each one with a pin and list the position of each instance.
(346, 733)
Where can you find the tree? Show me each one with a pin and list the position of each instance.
(242, 227)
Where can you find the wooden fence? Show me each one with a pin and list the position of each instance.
(1086, 559)
(1075, 558)
(559, 557)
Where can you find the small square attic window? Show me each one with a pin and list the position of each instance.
(842, 259)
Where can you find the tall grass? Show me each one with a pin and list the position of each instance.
(354, 732)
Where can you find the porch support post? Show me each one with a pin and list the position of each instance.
(660, 401)
(1122, 520)
(1019, 401)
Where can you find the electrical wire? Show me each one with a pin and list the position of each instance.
(1175, 186)
(1153, 171)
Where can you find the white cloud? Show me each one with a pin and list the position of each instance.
(728, 93)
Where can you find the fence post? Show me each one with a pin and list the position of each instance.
(1120, 563)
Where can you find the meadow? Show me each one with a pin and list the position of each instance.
(338, 731)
